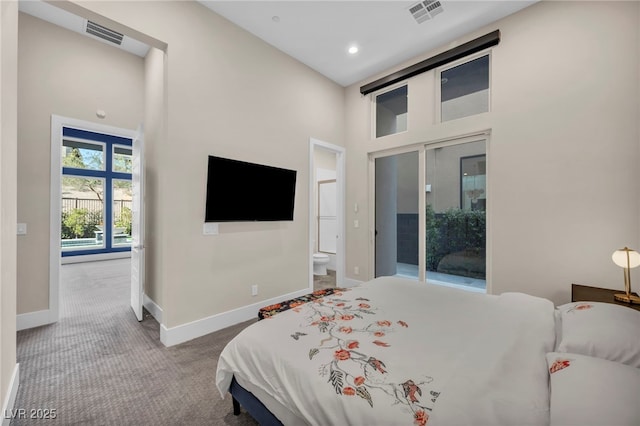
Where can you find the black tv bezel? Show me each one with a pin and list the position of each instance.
(254, 217)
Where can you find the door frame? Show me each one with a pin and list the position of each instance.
(340, 153)
(55, 257)
(422, 147)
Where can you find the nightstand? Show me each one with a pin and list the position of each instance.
(580, 293)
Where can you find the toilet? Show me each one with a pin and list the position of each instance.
(320, 261)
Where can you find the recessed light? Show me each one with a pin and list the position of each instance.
(353, 50)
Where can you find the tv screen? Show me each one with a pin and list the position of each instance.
(238, 191)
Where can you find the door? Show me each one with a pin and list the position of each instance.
(137, 226)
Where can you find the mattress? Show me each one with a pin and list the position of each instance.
(395, 351)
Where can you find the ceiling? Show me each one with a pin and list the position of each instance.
(319, 33)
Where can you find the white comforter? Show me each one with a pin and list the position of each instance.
(396, 352)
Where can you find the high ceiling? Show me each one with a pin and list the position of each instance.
(320, 33)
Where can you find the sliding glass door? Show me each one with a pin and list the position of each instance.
(456, 199)
(430, 214)
(397, 215)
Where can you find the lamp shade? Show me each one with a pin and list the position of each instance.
(620, 258)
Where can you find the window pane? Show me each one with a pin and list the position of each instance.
(396, 210)
(464, 90)
(391, 112)
(82, 213)
(82, 155)
(455, 216)
(121, 159)
(122, 199)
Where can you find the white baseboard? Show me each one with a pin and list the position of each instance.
(182, 333)
(8, 411)
(153, 308)
(34, 319)
(349, 282)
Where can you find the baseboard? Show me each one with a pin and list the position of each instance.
(153, 308)
(34, 319)
(183, 333)
(349, 282)
(8, 411)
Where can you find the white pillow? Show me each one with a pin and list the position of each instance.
(592, 391)
(602, 330)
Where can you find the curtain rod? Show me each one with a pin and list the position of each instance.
(473, 46)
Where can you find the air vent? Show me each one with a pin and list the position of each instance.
(425, 10)
(104, 33)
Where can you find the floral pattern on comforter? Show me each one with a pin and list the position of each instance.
(351, 370)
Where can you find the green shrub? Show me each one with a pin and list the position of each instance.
(453, 231)
(80, 223)
(124, 221)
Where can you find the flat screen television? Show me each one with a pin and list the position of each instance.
(238, 191)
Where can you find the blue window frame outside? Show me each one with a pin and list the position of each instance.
(108, 175)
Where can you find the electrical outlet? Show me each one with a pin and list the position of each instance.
(356, 270)
(254, 290)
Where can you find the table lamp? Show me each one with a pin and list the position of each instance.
(626, 258)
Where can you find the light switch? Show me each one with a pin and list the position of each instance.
(22, 229)
(356, 223)
(210, 229)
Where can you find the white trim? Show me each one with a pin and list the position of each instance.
(185, 332)
(340, 153)
(153, 308)
(96, 257)
(55, 259)
(350, 282)
(10, 400)
(35, 319)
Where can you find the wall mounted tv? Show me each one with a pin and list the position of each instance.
(238, 191)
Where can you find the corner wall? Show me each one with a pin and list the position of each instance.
(563, 151)
(8, 193)
(228, 94)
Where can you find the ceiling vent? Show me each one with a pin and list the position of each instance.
(104, 33)
(426, 10)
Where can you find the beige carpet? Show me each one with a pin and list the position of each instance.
(99, 366)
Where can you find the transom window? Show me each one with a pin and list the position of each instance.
(391, 110)
(464, 89)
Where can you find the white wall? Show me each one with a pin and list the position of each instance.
(563, 150)
(8, 193)
(228, 94)
(67, 74)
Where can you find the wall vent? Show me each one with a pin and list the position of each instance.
(426, 10)
(104, 33)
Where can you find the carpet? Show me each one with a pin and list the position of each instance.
(99, 366)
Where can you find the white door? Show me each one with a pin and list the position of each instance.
(137, 226)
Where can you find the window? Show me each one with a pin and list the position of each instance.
(464, 89)
(391, 112)
(96, 193)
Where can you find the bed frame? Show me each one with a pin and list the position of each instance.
(252, 405)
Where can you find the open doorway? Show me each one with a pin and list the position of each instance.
(326, 215)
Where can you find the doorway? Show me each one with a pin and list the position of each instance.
(430, 204)
(326, 213)
(67, 148)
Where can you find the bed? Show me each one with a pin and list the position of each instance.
(393, 351)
